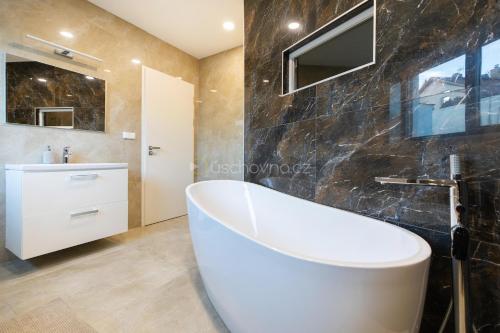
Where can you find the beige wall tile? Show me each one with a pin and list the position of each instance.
(103, 35)
(219, 150)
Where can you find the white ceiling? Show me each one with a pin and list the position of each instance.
(194, 26)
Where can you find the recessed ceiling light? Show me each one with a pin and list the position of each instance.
(265, 81)
(42, 79)
(88, 77)
(66, 34)
(228, 25)
(213, 90)
(107, 70)
(69, 95)
(136, 61)
(293, 25)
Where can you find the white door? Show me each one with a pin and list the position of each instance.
(167, 145)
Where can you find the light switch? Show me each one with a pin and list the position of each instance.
(128, 135)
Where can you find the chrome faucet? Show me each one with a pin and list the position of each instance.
(66, 154)
(459, 237)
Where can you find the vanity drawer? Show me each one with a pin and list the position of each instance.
(62, 229)
(45, 192)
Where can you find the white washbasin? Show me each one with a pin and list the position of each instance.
(66, 167)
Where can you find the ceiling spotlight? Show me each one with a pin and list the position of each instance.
(66, 34)
(42, 79)
(265, 81)
(228, 25)
(136, 61)
(213, 90)
(69, 95)
(107, 70)
(293, 25)
(88, 77)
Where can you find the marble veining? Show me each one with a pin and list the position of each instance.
(434, 91)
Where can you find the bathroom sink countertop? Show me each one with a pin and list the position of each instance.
(66, 167)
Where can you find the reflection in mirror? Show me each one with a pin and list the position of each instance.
(54, 117)
(43, 95)
(490, 84)
(438, 99)
(395, 109)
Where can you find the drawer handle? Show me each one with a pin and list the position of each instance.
(88, 212)
(90, 176)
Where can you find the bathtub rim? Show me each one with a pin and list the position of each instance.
(423, 253)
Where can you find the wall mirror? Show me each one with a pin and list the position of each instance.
(42, 95)
(341, 46)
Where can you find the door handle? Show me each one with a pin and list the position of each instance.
(151, 148)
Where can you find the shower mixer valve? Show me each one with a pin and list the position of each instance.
(459, 237)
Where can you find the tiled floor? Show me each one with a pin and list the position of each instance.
(143, 281)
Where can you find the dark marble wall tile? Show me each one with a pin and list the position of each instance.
(369, 123)
(283, 158)
(439, 295)
(485, 286)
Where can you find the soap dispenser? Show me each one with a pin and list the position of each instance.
(48, 156)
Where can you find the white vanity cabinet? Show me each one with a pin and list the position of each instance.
(50, 207)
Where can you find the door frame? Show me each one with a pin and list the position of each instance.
(143, 149)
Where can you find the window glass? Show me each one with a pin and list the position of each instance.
(438, 99)
(490, 84)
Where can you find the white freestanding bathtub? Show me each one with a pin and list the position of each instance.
(275, 263)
